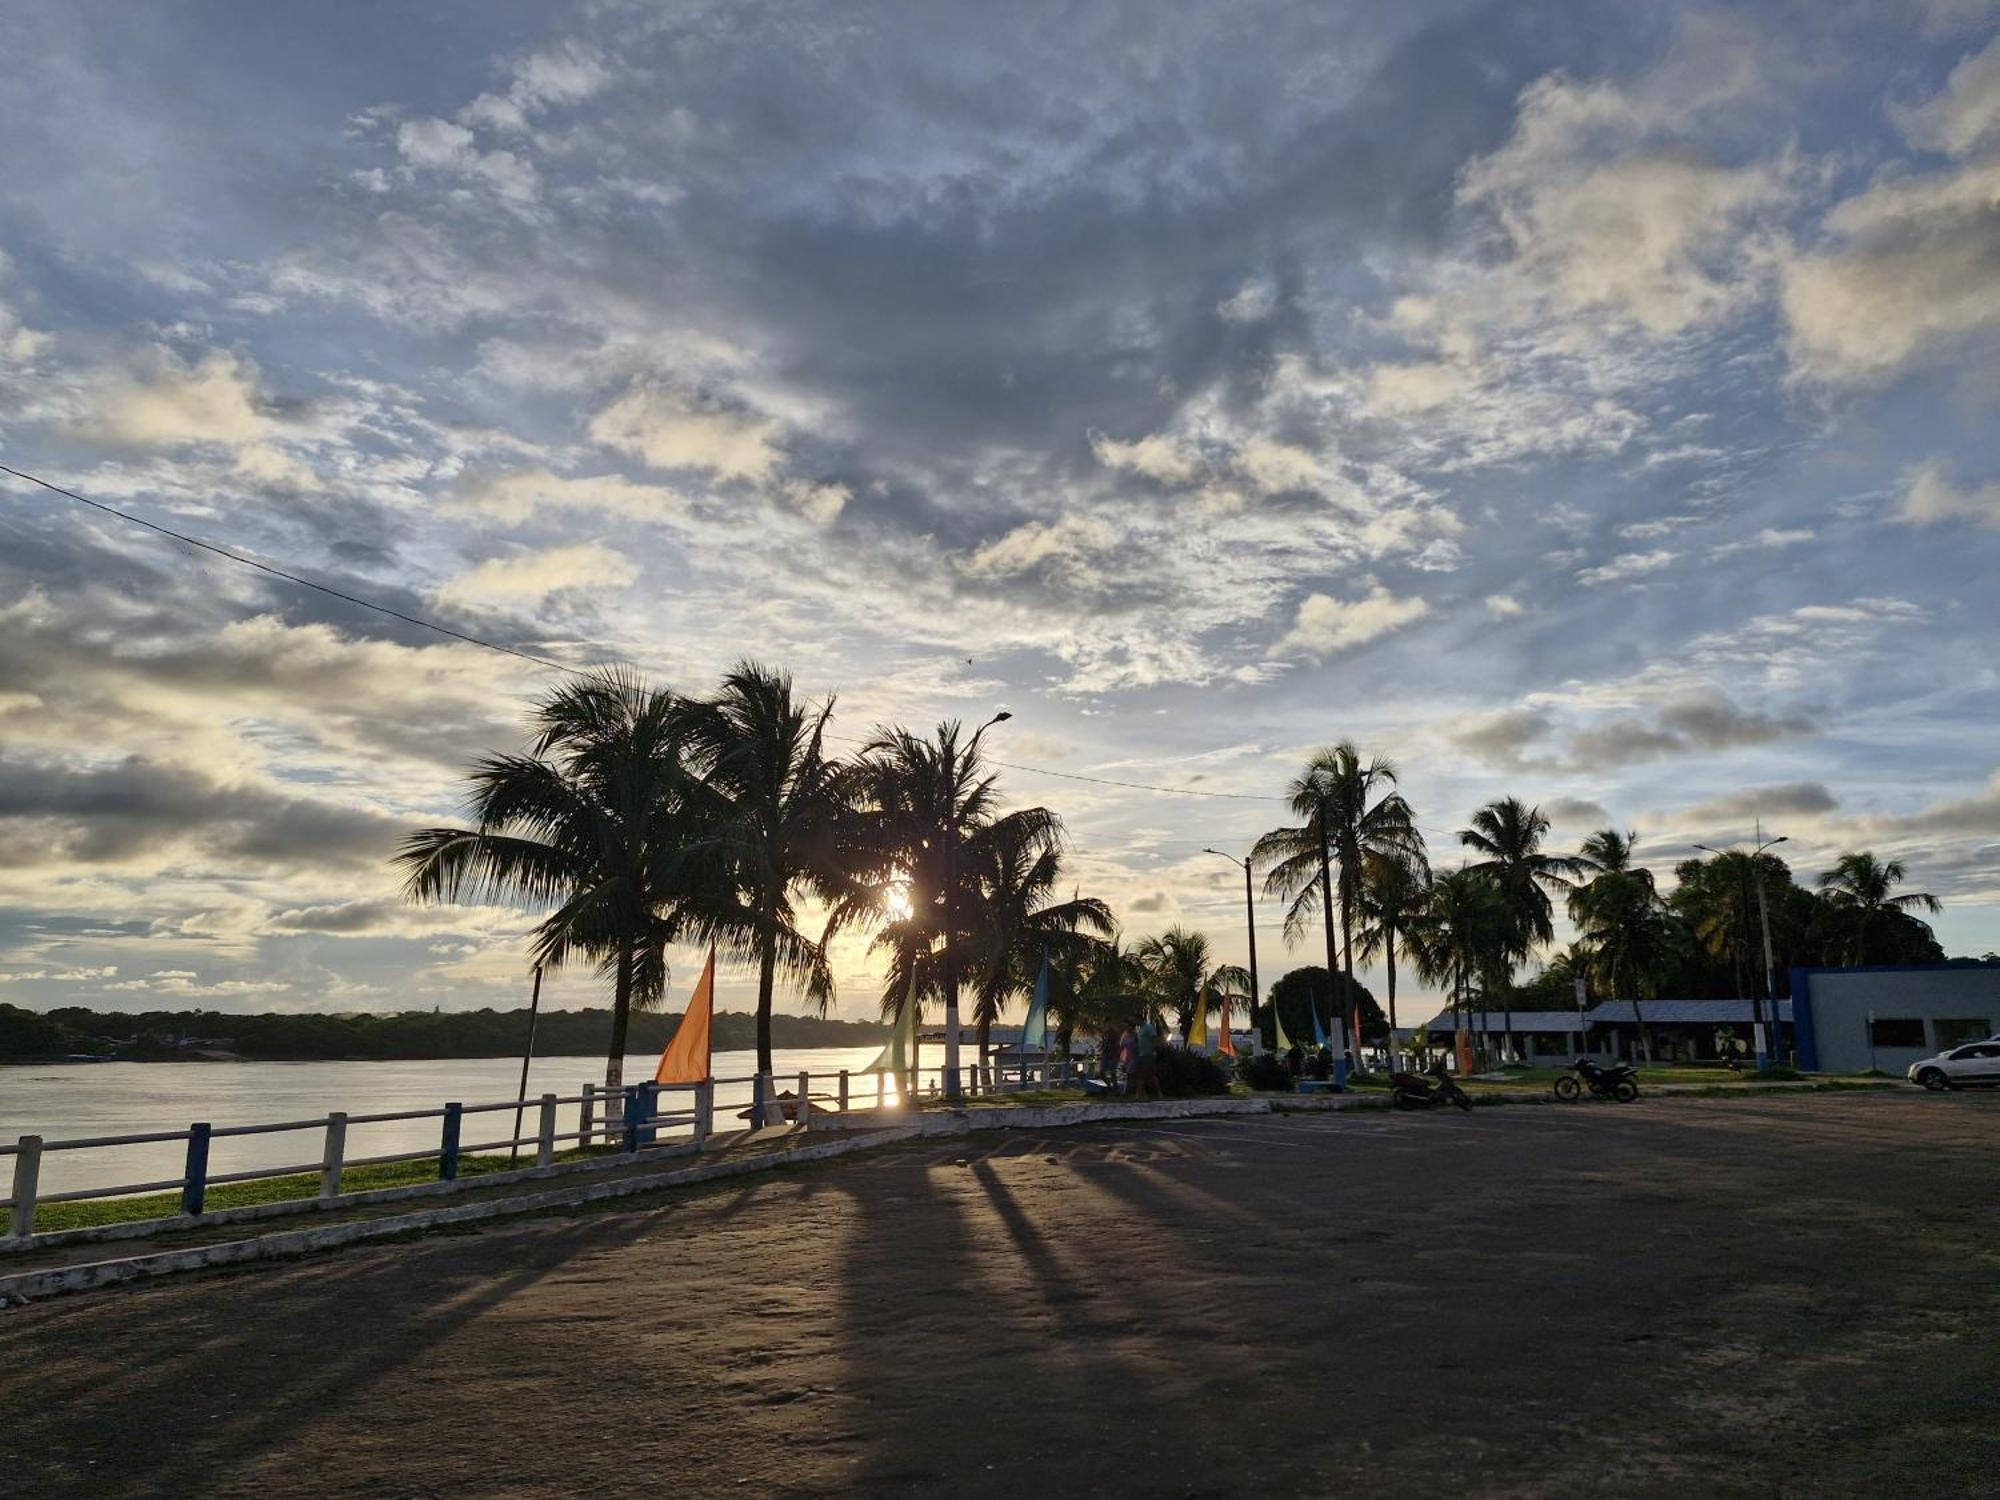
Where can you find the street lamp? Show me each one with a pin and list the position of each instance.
(1250, 922)
(1764, 920)
(951, 1078)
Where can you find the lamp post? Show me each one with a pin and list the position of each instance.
(1764, 921)
(951, 1078)
(1250, 924)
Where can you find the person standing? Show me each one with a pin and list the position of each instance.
(1146, 1046)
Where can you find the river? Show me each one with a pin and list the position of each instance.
(72, 1101)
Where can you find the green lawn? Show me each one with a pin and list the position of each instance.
(91, 1212)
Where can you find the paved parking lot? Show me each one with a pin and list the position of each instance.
(1686, 1297)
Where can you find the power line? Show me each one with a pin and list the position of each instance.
(528, 656)
(276, 572)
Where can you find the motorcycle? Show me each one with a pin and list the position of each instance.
(1619, 1081)
(1408, 1091)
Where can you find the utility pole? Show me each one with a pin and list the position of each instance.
(1250, 925)
(951, 1075)
(1765, 1041)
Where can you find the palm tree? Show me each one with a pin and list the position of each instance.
(1395, 890)
(1014, 867)
(596, 821)
(924, 812)
(1509, 834)
(1461, 935)
(1618, 917)
(1858, 889)
(1177, 965)
(1347, 814)
(778, 804)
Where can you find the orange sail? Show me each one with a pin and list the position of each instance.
(686, 1057)
(1226, 1044)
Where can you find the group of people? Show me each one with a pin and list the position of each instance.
(1318, 1065)
(1129, 1060)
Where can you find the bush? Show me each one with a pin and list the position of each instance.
(1776, 1073)
(1183, 1073)
(1265, 1072)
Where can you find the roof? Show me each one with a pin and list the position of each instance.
(1613, 1013)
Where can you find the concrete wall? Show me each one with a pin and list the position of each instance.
(1835, 1035)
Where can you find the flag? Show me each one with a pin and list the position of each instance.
(1225, 1043)
(686, 1059)
(903, 1044)
(1035, 1031)
(1319, 1031)
(1278, 1026)
(1198, 1028)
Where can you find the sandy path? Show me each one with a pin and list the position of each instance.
(1711, 1297)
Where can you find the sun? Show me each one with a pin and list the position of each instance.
(896, 902)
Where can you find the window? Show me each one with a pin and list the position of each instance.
(1965, 1054)
(1896, 1031)
(1953, 1031)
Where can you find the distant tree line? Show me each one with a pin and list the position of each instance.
(31, 1036)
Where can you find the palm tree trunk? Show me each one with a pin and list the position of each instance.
(985, 1036)
(1326, 905)
(1348, 1008)
(1389, 941)
(621, 1020)
(767, 964)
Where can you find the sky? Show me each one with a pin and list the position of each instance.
(1593, 403)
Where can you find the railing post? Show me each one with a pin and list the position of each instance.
(545, 1133)
(588, 1120)
(759, 1097)
(704, 1111)
(27, 1186)
(631, 1118)
(843, 1091)
(649, 1112)
(448, 1145)
(805, 1110)
(333, 1156)
(194, 1181)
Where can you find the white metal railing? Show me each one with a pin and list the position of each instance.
(629, 1119)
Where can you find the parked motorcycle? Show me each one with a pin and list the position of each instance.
(1618, 1081)
(1408, 1091)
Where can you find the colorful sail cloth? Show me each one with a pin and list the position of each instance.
(1035, 1031)
(1278, 1025)
(686, 1059)
(1224, 1042)
(903, 1044)
(1197, 1035)
(1319, 1031)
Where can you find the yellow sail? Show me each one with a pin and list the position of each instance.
(1198, 1028)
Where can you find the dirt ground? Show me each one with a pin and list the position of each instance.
(1795, 1297)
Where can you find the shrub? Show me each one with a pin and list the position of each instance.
(1183, 1072)
(1265, 1072)
(1777, 1073)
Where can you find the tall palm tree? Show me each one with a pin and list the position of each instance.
(1858, 888)
(1395, 890)
(1015, 923)
(924, 815)
(1461, 936)
(777, 814)
(1177, 964)
(1619, 919)
(1509, 834)
(595, 821)
(1347, 813)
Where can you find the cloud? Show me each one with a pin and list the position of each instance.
(672, 431)
(514, 495)
(1157, 457)
(1788, 799)
(1252, 302)
(1504, 606)
(1575, 812)
(1501, 738)
(1626, 565)
(531, 577)
(1691, 725)
(1068, 545)
(1929, 497)
(1770, 539)
(165, 403)
(1910, 270)
(441, 145)
(1964, 116)
(1325, 625)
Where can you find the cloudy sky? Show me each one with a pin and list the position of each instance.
(1590, 402)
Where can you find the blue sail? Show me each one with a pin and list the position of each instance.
(1319, 1031)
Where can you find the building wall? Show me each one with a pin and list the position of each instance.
(1835, 1035)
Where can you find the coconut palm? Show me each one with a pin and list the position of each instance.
(1509, 834)
(1014, 869)
(1347, 813)
(1461, 938)
(1177, 965)
(924, 818)
(1395, 890)
(1620, 922)
(1859, 889)
(597, 821)
(778, 824)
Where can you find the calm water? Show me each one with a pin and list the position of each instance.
(96, 1099)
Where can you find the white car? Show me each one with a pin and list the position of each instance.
(1960, 1067)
